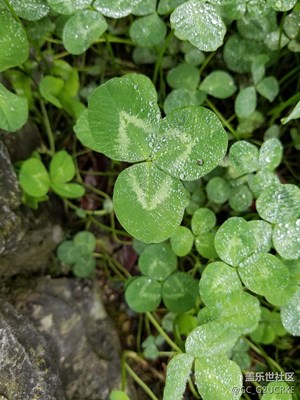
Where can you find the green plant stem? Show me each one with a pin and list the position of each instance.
(275, 112)
(115, 39)
(140, 382)
(163, 333)
(206, 62)
(88, 212)
(222, 119)
(260, 351)
(97, 191)
(160, 57)
(48, 127)
(107, 228)
(126, 274)
(11, 9)
(192, 388)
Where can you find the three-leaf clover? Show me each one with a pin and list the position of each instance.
(79, 253)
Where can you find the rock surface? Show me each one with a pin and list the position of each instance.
(70, 315)
(27, 369)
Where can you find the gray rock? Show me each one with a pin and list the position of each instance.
(27, 370)
(11, 232)
(70, 315)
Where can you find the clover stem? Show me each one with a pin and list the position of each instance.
(48, 127)
(160, 57)
(163, 333)
(11, 9)
(260, 351)
(139, 381)
(206, 62)
(222, 119)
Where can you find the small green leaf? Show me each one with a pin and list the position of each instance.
(182, 241)
(217, 190)
(279, 203)
(149, 203)
(243, 157)
(211, 339)
(84, 266)
(234, 241)
(86, 241)
(286, 239)
(294, 114)
(83, 132)
(116, 8)
(256, 27)
(194, 57)
(215, 375)
(34, 178)
(191, 143)
(262, 180)
(245, 102)
(268, 88)
(291, 24)
(205, 245)
(264, 274)
(258, 68)
(240, 198)
(270, 154)
(178, 371)
(158, 261)
(31, 10)
(200, 24)
(185, 323)
(203, 221)
(68, 190)
(67, 252)
(118, 395)
(262, 233)
(183, 98)
(240, 312)
(123, 116)
(167, 6)
(143, 294)
(14, 48)
(144, 7)
(68, 7)
(50, 88)
(264, 333)
(13, 110)
(82, 29)
(62, 167)
(218, 280)
(290, 314)
(180, 292)
(239, 53)
(282, 5)
(148, 31)
(278, 390)
(219, 84)
(183, 76)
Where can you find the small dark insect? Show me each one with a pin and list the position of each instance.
(200, 162)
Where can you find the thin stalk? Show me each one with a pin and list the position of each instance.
(115, 39)
(163, 333)
(107, 228)
(160, 57)
(272, 363)
(48, 127)
(11, 9)
(222, 119)
(275, 112)
(140, 382)
(206, 62)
